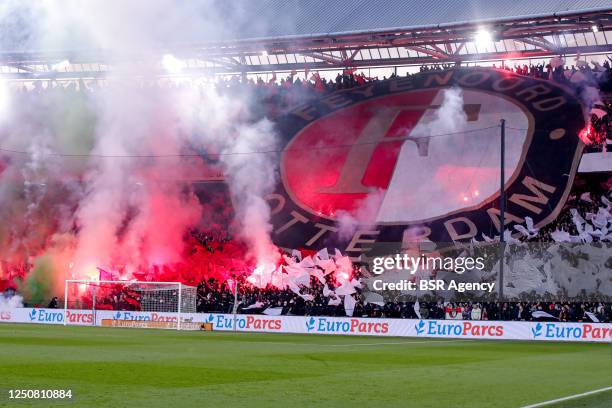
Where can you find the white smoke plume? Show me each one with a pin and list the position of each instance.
(586, 86)
(246, 149)
(251, 178)
(449, 117)
(120, 203)
(10, 303)
(364, 214)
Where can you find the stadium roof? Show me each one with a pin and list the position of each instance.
(243, 36)
(308, 18)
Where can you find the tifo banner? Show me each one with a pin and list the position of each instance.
(424, 151)
(450, 329)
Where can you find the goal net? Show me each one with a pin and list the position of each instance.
(166, 303)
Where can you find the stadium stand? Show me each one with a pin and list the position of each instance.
(588, 195)
(274, 96)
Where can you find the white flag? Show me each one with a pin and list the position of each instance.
(349, 305)
(273, 311)
(417, 309)
(586, 197)
(255, 305)
(592, 317)
(538, 314)
(334, 301)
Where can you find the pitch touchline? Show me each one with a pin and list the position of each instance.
(399, 342)
(584, 394)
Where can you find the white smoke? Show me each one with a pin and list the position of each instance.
(448, 118)
(585, 85)
(251, 178)
(590, 97)
(364, 214)
(247, 150)
(128, 209)
(10, 303)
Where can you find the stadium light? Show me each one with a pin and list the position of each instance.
(483, 38)
(60, 66)
(597, 27)
(172, 64)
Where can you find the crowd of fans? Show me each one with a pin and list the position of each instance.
(554, 70)
(214, 296)
(507, 311)
(277, 96)
(291, 90)
(217, 297)
(294, 88)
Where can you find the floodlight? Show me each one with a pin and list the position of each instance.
(172, 64)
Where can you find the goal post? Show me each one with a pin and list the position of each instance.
(168, 300)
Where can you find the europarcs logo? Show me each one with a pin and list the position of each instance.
(248, 322)
(564, 331)
(45, 316)
(327, 325)
(51, 316)
(441, 328)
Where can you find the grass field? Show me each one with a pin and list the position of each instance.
(107, 367)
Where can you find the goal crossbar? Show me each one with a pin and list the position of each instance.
(121, 282)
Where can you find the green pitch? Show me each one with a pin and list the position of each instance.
(106, 367)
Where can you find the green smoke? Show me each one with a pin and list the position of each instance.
(38, 285)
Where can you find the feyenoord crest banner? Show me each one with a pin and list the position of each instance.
(422, 154)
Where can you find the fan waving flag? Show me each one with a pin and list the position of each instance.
(542, 315)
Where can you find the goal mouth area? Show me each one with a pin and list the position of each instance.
(163, 304)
